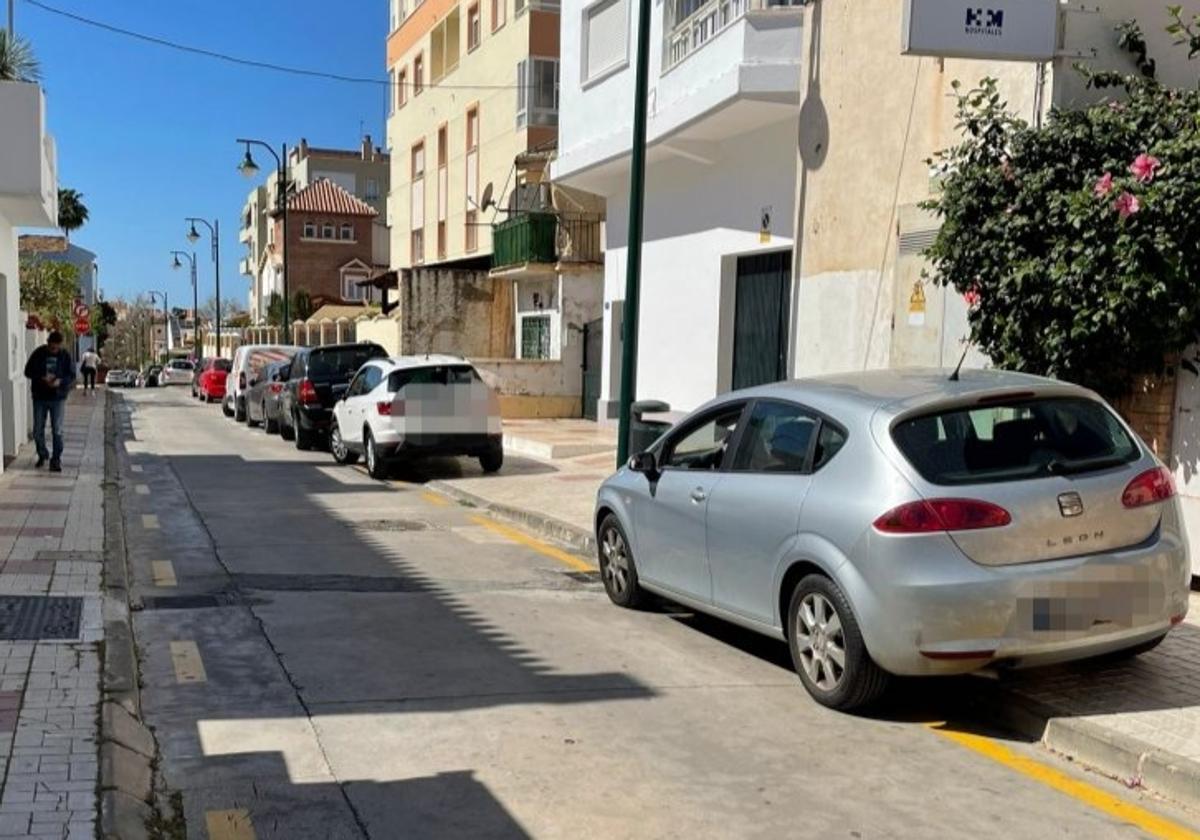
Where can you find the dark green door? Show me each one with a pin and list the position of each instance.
(593, 348)
(760, 332)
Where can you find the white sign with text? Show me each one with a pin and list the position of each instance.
(1003, 30)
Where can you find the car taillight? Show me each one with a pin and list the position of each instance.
(276, 387)
(308, 394)
(933, 515)
(1152, 486)
(384, 409)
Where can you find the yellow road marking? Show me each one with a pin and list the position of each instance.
(164, 573)
(137, 468)
(1090, 795)
(533, 542)
(142, 490)
(229, 825)
(435, 499)
(150, 521)
(189, 667)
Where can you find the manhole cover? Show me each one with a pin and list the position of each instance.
(393, 525)
(26, 618)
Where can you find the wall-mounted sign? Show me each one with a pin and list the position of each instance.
(1004, 30)
(764, 229)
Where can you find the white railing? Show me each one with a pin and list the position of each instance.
(690, 24)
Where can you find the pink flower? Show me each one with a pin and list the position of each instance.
(972, 297)
(1127, 205)
(1104, 186)
(1144, 166)
(1116, 106)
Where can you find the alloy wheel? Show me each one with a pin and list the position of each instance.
(616, 561)
(821, 641)
(337, 444)
(370, 447)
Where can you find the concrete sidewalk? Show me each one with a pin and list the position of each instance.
(51, 627)
(1138, 721)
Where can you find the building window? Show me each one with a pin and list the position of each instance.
(327, 230)
(372, 193)
(472, 201)
(499, 10)
(417, 208)
(474, 27)
(418, 74)
(537, 92)
(605, 37)
(535, 337)
(444, 45)
(351, 290)
(443, 185)
(472, 232)
(401, 88)
(310, 230)
(392, 100)
(441, 243)
(540, 5)
(347, 232)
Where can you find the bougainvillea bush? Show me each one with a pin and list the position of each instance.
(1077, 244)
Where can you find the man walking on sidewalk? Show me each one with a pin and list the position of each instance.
(89, 363)
(51, 373)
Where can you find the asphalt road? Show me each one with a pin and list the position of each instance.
(325, 656)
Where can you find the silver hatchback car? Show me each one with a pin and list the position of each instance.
(900, 522)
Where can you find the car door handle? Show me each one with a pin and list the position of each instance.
(698, 495)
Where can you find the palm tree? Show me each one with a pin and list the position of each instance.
(17, 61)
(72, 213)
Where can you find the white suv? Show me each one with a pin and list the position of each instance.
(249, 360)
(417, 405)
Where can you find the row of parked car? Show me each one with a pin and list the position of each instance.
(175, 372)
(358, 402)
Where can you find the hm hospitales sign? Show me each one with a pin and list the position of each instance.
(1002, 30)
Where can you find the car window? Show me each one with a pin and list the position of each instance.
(703, 446)
(372, 376)
(222, 364)
(830, 441)
(777, 439)
(356, 384)
(1014, 441)
(342, 361)
(433, 375)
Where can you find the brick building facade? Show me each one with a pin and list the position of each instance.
(330, 244)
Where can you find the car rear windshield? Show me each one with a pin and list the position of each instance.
(1015, 440)
(223, 365)
(341, 361)
(433, 375)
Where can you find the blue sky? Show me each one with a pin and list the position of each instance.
(147, 133)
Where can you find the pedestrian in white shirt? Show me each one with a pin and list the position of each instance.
(89, 363)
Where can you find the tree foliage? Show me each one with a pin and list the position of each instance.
(17, 61)
(104, 316)
(48, 290)
(72, 212)
(1077, 245)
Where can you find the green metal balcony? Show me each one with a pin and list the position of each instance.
(525, 238)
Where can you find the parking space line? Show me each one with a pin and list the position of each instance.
(150, 521)
(142, 490)
(164, 573)
(189, 667)
(537, 545)
(435, 499)
(1051, 777)
(229, 825)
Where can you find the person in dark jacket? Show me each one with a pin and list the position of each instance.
(51, 373)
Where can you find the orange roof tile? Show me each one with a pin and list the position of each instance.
(324, 196)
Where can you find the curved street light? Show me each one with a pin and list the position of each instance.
(176, 264)
(249, 169)
(193, 236)
(153, 293)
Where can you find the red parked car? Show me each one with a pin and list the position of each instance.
(211, 387)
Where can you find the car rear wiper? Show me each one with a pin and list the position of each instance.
(1057, 467)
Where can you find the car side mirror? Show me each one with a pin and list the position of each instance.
(645, 463)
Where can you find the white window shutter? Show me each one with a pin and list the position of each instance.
(605, 34)
(472, 178)
(418, 204)
(443, 192)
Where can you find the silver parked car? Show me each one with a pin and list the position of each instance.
(899, 522)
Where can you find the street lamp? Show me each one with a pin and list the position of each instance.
(193, 236)
(176, 264)
(249, 169)
(166, 322)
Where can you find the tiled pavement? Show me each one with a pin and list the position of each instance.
(51, 544)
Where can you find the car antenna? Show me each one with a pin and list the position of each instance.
(954, 377)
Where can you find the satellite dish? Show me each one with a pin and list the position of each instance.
(486, 201)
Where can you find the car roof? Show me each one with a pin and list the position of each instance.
(427, 360)
(350, 345)
(904, 391)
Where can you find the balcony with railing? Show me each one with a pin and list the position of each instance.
(691, 24)
(546, 241)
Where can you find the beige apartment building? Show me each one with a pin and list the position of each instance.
(474, 84)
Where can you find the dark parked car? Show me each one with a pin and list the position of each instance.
(149, 377)
(263, 395)
(318, 378)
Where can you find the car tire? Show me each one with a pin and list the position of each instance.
(492, 460)
(303, 437)
(285, 431)
(618, 571)
(225, 409)
(239, 411)
(270, 426)
(377, 466)
(819, 613)
(337, 447)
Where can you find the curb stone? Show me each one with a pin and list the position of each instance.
(579, 539)
(127, 750)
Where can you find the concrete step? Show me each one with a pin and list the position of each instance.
(549, 450)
